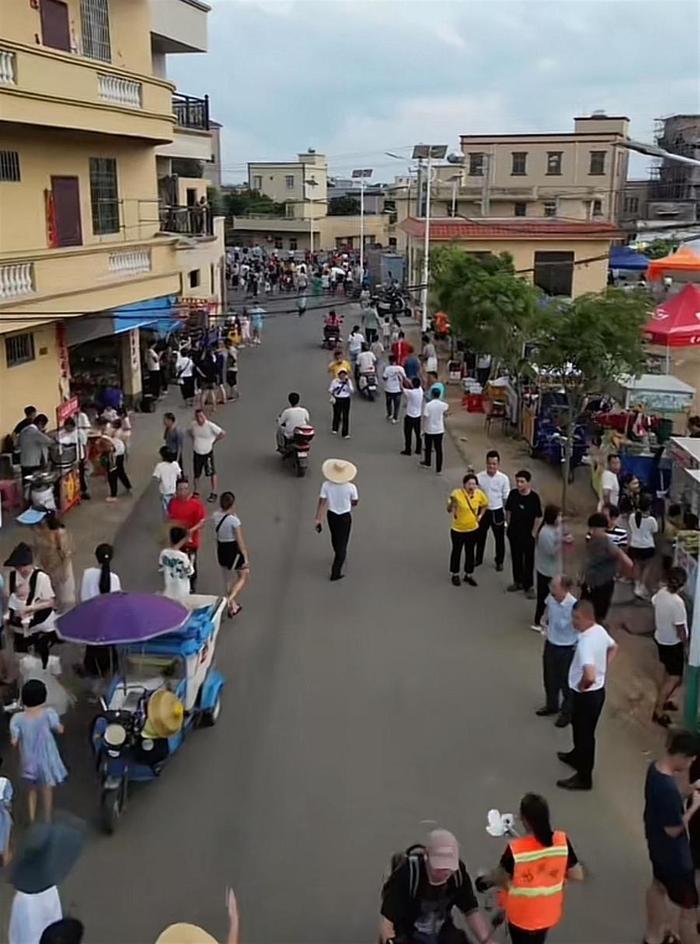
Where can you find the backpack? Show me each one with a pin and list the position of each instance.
(413, 855)
(42, 615)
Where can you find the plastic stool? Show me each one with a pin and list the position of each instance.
(11, 493)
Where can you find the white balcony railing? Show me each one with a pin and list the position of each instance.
(8, 67)
(119, 91)
(130, 261)
(16, 280)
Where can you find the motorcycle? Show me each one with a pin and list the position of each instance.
(331, 336)
(367, 384)
(298, 448)
(392, 302)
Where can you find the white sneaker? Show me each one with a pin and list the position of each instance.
(536, 628)
(394, 421)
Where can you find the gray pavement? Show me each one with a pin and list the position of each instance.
(355, 715)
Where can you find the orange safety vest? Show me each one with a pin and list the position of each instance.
(535, 898)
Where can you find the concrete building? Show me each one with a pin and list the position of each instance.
(87, 255)
(212, 169)
(564, 259)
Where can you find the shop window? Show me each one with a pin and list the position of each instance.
(292, 244)
(19, 349)
(520, 209)
(550, 207)
(476, 164)
(9, 166)
(554, 163)
(94, 22)
(597, 163)
(104, 195)
(194, 278)
(519, 166)
(554, 272)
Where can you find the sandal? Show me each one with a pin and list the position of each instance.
(662, 720)
(232, 612)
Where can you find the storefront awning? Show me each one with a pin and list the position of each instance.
(153, 312)
(622, 257)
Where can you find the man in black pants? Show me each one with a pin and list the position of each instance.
(341, 389)
(523, 515)
(595, 651)
(338, 497)
(412, 416)
(434, 429)
(495, 485)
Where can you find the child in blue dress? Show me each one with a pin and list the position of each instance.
(5, 818)
(32, 730)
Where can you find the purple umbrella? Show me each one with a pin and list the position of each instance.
(114, 619)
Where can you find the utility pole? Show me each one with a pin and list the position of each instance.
(428, 152)
(363, 174)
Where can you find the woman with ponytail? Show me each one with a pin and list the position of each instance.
(643, 528)
(99, 660)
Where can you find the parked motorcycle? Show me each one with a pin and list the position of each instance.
(298, 447)
(392, 302)
(367, 384)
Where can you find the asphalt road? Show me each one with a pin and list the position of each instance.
(356, 714)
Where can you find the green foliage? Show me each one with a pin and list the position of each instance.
(186, 167)
(215, 201)
(660, 248)
(242, 202)
(344, 206)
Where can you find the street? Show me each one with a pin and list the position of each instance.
(356, 714)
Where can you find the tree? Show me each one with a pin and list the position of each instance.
(660, 248)
(186, 167)
(344, 206)
(587, 344)
(241, 202)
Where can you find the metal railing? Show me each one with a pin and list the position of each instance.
(191, 112)
(187, 220)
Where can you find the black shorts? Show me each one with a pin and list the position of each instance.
(641, 553)
(232, 377)
(204, 464)
(672, 658)
(679, 886)
(229, 555)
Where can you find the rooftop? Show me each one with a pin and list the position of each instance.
(449, 228)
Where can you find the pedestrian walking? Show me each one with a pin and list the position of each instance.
(412, 417)
(173, 437)
(595, 650)
(496, 486)
(523, 517)
(559, 646)
(231, 369)
(187, 511)
(671, 637)
(167, 473)
(176, 566)
(666, 828)
(341, 390)
(205, 435)
(32, 732)
(76, 435)
(184, 375)
(208, 376)
(231, 551)
(394, 379)
(433, 430)
(337, 499)
(466, 506)
(401, 348)
(602, 561)
(31, 604)
(100, 661)
(549, 544)
(643, 528)
(55, 555)
(429, 355)
(610, 482)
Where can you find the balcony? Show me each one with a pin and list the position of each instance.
(191, 113)
(16, 281)
(179, 26)
(196, 221)
(45, 87)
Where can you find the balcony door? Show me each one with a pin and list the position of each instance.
(55, 25)
(66, 209)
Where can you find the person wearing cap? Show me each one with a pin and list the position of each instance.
(337, 498)
(419, 895)
(31, 605)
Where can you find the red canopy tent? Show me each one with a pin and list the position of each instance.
(676, 323)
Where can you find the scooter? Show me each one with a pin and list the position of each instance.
(331, 336)
(298, 448)
(367, 384)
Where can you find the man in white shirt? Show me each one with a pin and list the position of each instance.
(433, 430)
(204, 435)
(153, 367)
(75, 435)
(355, 342)
(394, 379)
(337, 498)
(496, 486)
(366, 361)
(670, 636)
(288, 420)
(610, 483)
(341, 390)
(184, 374)
(595, 650)
(412, 417)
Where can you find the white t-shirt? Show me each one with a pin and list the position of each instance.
(44, 592)
(591, 649)
(393, 378)
(339, 497)
(184, 366)
(495, 487)
(177, 569)
(292, 417)
(225, 524)
(90, 586)
(117, 444)
(341, 388)
(414, 401)
(355, 342)
(167, 474)
(204, 436)
(32, 914)
(366, 361)
(669, 612)
(642, 535)
(434, 417)
(611, 483)
(152, 360)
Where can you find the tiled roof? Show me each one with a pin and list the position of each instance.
(446, 230)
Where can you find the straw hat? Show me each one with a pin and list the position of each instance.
(165, 715)
(185, 934)
(339, 471)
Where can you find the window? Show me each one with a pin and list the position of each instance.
(55, 27)
(194, 277)
(520, 209)
(257, 182)
(519, 168)
(94, 21)
(9, 166)
(279, 243)
(104, 195)
(554, 163)
(554, 272)
(631, 204)
(19, 349)
(292, 244)
(597, 208)
(289, 181)
(476, 164)
(597, 163)
(550, 207)
(392, 242)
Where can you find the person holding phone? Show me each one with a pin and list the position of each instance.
(467, 506)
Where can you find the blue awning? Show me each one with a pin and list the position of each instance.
(622, 257)
(153, 312)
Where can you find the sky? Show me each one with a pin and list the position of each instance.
(356, 78)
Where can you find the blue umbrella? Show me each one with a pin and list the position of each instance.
(116, 619)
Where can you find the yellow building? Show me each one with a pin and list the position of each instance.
(563, 259)
(89, 250)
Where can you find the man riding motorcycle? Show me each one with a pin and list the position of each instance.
(288, 420)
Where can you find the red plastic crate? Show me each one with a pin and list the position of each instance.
(475, 402)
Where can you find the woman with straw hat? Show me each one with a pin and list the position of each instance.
(192, 934)
(338, 497)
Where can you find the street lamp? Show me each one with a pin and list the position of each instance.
(427, 152)
(311, 182)
(362, 175)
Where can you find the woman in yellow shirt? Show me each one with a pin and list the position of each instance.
(337, 364)
(466, 505)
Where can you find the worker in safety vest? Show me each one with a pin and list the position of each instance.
(533, 870)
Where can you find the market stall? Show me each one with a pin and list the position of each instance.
(544, 419)
(683, 453)
(681, 266)
(675, 323)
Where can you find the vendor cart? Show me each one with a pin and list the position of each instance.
(543, 423)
